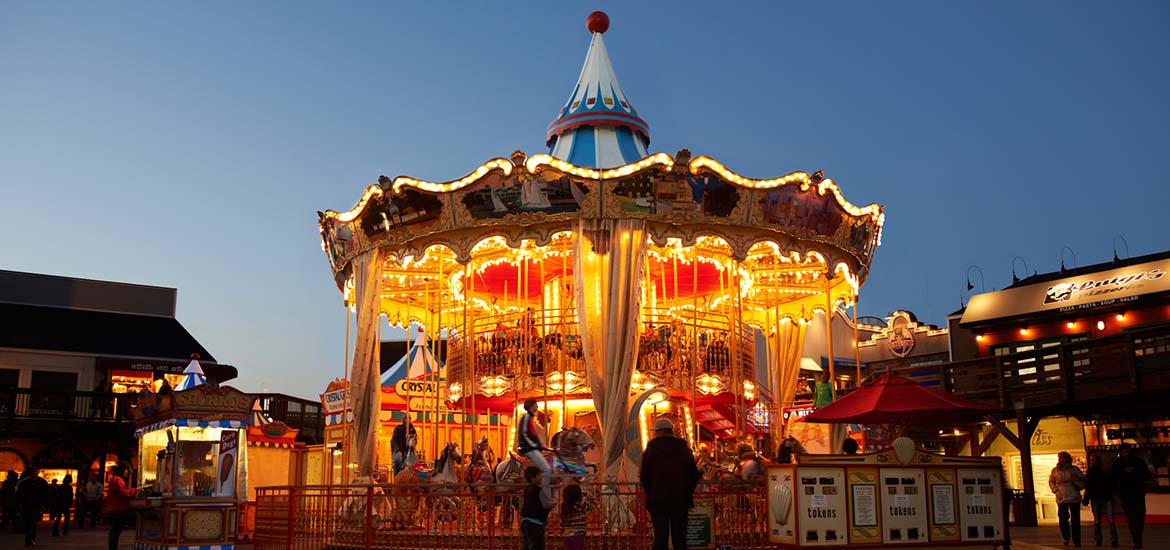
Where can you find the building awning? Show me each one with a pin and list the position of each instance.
(1086, 290)
(120, 340)
(187, 422)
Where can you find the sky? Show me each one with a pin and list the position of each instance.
(190, 145)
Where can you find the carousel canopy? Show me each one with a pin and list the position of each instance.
(598, 127)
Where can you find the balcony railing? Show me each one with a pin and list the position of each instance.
(1091, 369)
(28, 403)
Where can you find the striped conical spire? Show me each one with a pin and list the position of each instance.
(192, 375)
(598, 127)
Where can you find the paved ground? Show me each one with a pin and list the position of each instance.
(1045, 537)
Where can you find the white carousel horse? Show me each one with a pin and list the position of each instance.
(511, 472)
(407, 491)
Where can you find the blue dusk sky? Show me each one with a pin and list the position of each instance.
(190, 144)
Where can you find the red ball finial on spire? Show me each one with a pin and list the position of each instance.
(597, 22)
(194, 356)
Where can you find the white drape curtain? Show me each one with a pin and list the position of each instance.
(788, 351)
(609, 258)
(365, 380)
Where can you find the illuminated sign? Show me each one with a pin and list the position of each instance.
(901, 341)
(416, 387)
(333, 400)
(1110, 287)
(1067, 291)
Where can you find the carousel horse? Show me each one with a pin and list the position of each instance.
(407, 489)
(569, 456)
(509, 472)
(479, 466)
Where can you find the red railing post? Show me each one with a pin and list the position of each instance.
(491, 507)
(291, 517)
(369, 516)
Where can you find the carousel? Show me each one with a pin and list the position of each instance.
(612, 284)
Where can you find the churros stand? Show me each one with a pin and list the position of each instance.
(192, 444)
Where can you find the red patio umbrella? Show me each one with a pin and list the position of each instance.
(893, 399)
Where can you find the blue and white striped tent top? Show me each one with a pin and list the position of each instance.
(181, 422)
(598, 127)
(192, 376)
(418, 362)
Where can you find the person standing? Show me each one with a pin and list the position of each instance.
(33, 494)
(528, 439)
(823, 390)
(535, 504)
(117, 506)
(1066, 482)
(574, 518)
(1130, 473)
(402, 443)
(668, 477)
(62, 501)
(8, 501)
(89, 501)
(1099, 498)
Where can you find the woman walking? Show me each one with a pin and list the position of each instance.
(1066, 482)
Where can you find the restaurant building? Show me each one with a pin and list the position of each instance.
(1079, 361)
(73, 355)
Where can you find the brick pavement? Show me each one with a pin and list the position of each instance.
(1044, 537)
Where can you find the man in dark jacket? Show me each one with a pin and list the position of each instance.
(33, 494)
(1131, 474)
(1099, 497)
(669, 477)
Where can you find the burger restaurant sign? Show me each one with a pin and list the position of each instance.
(1079, 293)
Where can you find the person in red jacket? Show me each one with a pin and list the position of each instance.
(117, 507)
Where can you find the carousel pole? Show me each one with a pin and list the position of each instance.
(438, 370)
(428, 320)
(856, 343)
(469, 384)
(378, 421)
(532, 332)
(736, 360)
(561, 329)
(695, 349)
(345, 444)
(829, 331)
(673, 337)
(777, 352)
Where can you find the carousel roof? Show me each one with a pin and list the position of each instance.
(598, 127)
